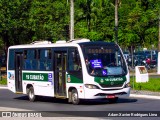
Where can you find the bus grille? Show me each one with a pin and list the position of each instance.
(109, 86)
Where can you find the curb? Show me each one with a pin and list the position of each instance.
(3, 87)
(145, 96)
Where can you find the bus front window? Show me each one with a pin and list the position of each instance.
(104, 61)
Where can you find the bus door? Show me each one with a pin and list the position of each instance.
(60, 63)
(18, 71)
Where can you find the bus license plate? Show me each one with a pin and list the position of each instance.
(111, 96)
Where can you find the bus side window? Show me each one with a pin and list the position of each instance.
(11, 62)
(74, 60)
(76, 66)
(48, 64)
(45, 59)
(70, 62)
(27, 64)
(30, 62)
(34, 64)
(42, 65)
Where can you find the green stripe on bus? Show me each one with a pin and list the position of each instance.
(109, 80)
(73, 79)
(36, 76)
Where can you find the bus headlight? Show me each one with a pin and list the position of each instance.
(127, 85)
(90, 86)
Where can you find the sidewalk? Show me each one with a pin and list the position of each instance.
(150, 74)
(144, 93)
(3, 86)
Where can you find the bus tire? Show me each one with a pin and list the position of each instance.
(74, 97)
(113, 100)
(31, 94)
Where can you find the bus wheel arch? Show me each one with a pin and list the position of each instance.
(30, 93)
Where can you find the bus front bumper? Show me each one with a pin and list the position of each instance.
(98, 93)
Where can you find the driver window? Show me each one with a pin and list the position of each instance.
(74, 62)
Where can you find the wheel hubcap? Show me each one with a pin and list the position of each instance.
(74, 97)
(31, 95)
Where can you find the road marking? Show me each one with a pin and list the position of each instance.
(12, 109)
(145, 96)
(3, 87)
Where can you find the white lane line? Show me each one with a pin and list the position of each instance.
(12, 109)
(1, 87)
(145, 96)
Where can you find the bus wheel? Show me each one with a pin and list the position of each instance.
(113, 100)
(31, 94)
(74, 97)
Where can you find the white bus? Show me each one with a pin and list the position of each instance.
(74, 70)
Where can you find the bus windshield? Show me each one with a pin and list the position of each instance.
(104, 60)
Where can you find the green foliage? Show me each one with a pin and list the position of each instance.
(23, 21)
(151, 85)
(3, 81)
(13, 21)
(48, 19)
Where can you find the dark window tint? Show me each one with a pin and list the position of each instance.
(44, 61)
(11, 59)
(30, 62)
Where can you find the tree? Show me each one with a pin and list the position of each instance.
(93, 19)
(24, 21)
(13, 22)
(138, 21)
(50, 18)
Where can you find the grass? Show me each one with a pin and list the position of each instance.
(3, 81)
(152, 85)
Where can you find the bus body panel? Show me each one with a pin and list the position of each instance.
(98, 94)
(11, 80)
(44, 89)
(44, 82)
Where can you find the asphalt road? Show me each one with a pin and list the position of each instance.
(51, 107)
(9, 99)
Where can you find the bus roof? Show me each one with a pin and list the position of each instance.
(62, 43)
(97, 43)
